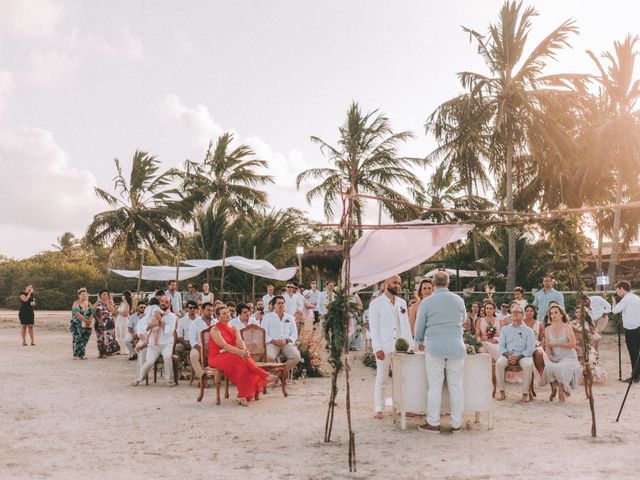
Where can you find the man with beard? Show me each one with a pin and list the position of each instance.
(388, 321)
(162, 344)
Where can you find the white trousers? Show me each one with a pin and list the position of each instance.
(525, 363)
(142, 358)
(436, 369)
(153, 353)
(382, 379)
(128, 341)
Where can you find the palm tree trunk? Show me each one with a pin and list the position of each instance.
(615, 236)
(511, 234)
(599, 258)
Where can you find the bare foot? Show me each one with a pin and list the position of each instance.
(135, 383)
(273, 379)
(378, 416)
(24, 344)
(561, 393)
(501, 396)
(171, 384)
(243, 402)
(525, 398)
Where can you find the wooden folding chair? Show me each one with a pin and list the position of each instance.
(207, 371)
(254, 338)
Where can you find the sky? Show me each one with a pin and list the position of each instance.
(83, 82)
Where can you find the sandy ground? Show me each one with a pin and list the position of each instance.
(65, 419)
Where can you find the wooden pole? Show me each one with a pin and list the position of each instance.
(224, 258)
(140, 274)
(253, 278)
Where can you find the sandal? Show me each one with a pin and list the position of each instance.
(171, 384)
(502, 396)
(243, 402)
(378, 416)
(136, 382)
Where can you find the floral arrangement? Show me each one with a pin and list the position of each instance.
(308, 345)
(491, 331)
(471, 343)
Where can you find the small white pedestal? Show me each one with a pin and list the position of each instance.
(410, 386)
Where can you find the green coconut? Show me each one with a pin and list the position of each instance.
(402, 345)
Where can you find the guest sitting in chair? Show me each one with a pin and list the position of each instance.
(244, 317)
(228, 353)
(281, 334)
(517, 343)
(530, 321)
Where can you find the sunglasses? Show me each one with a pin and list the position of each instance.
(191, 307)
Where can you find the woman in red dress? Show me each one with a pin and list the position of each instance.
(228, 352)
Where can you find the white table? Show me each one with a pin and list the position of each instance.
(410, 386)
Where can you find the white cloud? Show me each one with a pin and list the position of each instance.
(7, 85)
(51, 67)
(29, 19)
(42, 191)
(197, 119)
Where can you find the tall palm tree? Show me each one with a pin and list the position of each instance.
(141, 210)
(227, 174)
(621, 130)
(66, 242)
(511, 91)
(365, 160)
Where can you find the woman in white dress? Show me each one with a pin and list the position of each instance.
(562, 369)
(122, 320)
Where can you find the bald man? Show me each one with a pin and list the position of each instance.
(388, 321)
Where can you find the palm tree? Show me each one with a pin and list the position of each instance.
(511, 92)
(66, 242)
(141, 211)
(227, 174)
(365, 160)
(621, 130)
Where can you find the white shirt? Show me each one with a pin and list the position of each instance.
(166, 334)
(599, 307)
(207, 297)
(629, 306)
(266, 299)
(236, 322)
(276, 329)
(197, 326)
(325, 299)
(176, 301)
(387, 322)
(141, 327)
(293, 303)
(313, 297)
(523, 303)
(184, 325)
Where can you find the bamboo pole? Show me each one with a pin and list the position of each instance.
(140, 273)
(224, 259)
(253, 278)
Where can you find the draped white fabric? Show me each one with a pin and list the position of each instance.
(452, 273)
(379, 254)
(161, 273)
(261, 268)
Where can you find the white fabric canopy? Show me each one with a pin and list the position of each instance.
(452, 273)
(379, 254)
(261, 268)
(161, 273)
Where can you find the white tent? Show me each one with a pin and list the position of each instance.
(453, 273)
(261, 268)
(161, 273)
(379, 254)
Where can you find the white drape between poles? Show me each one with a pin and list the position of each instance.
(161, 273)
(261, 268)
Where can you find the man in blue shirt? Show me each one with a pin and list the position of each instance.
(544, 297)
(439, 321)
(517, 343)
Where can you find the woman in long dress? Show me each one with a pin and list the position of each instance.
(562, 369)
(228, 352)
(598, 373)
(80, 326)
(122, 320)
(424, 290)
(488, 330)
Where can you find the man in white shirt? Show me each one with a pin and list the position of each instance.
(132, 335)
(182, 332)
(326, 298)
(281, 334)
(267, 298)
(629, 306)
(258, 314)
(165, 321)
(388, 321)
(313, 301)
(598, 310)
(243, 319)
(176, 298)
(197, 326)
(504, 312)
(293, 301)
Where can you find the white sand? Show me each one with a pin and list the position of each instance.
(66, 419)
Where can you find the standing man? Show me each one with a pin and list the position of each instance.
(439, 321)
(544, 297)
(313, 301)
(388, 321)
(281, 334)
(132, 337)
(629, 306)
(192, 295)
(598, 310)
(176, 298)
(267, 298)
(326, 298)
(293, 301)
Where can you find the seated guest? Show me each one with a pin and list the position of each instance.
(259, 312)
(530, 321)
(132, 336)
(228, 352)
(597, 372)
(162, 344)
(488, 330)
(197, 326)
(243, 319)
(472, 315)
(281, 334)
(517, 343)
(191, 295)
(182, 332)
(562, 369)
(503, 313)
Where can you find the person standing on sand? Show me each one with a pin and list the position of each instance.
(80, 326)
(105, 326)
(26, 314)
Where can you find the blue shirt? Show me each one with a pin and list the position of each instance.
(542, 299)
(519, 340)
(439, 320)
(133, 321)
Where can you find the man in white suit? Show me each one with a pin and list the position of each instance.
(388, 321)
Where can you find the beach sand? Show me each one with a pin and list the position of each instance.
(65, 419)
